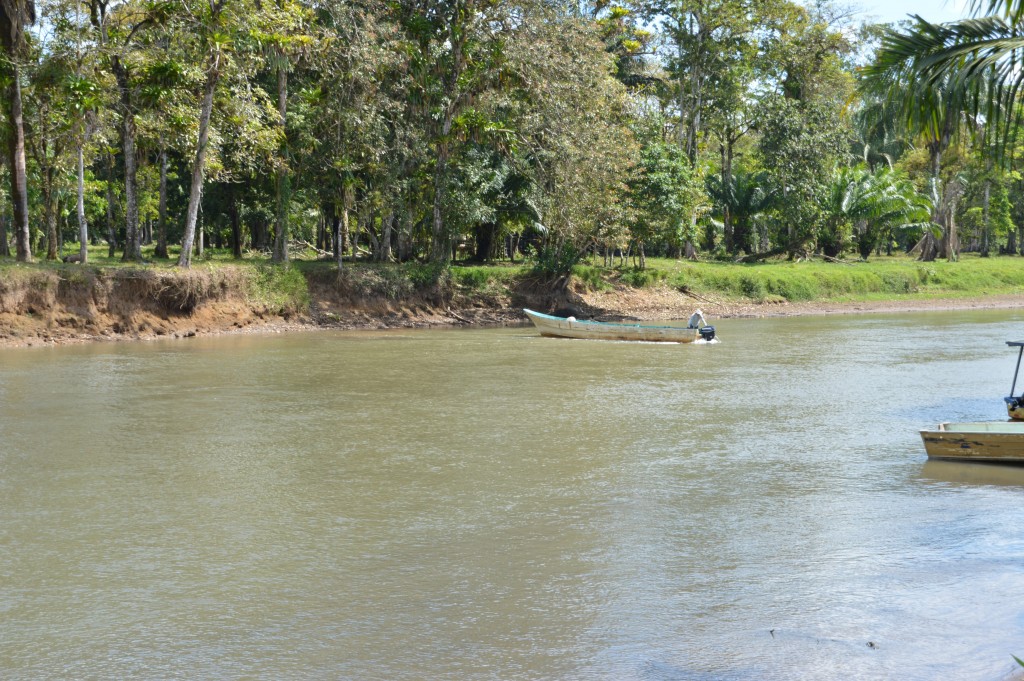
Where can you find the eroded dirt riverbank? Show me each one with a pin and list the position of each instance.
(48, 308)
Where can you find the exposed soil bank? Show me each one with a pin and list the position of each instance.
(46, 307)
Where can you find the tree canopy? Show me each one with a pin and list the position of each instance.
(498, 129)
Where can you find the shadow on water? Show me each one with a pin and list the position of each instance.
(972, 473)
(655, 670)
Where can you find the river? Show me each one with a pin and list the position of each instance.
(490, 504)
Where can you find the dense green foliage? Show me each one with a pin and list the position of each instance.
(485, 130)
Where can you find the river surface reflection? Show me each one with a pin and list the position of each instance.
(491, 504)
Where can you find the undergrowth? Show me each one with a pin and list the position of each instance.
(285, 289)
(280, 288)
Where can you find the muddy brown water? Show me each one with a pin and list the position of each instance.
(491, 504)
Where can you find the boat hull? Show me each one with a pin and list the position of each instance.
(562, 327)
(999, 441)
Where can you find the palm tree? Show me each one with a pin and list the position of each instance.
(979, 57)
(746, 198)
(15, 17)
(932, 109)
(873, 205)
(881, 138)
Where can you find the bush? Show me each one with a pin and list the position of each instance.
(594, 278)
(638, 278)
(556, 261)
(280, 287)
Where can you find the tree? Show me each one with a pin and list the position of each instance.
(933, 106)
(747, 201)
(706, 39)
(281, 30)
(868, 206)
(801, 142)
(570, 115)
(85, 99)
(352, 128)
(880, 137)
(459, 48)
(52, 122)
(15, 17)
(208, 20)
(121, 30)
(80, 93)
(666, 192)
(979, 58)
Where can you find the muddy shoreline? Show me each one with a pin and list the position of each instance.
(53, 323)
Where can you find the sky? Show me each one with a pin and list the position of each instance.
(932, 10)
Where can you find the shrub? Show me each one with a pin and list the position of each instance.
(641, 278)
(556, 261)
(280, 287)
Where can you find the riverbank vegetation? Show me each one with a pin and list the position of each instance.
(287, 290)
(109, 298)
(499, 130)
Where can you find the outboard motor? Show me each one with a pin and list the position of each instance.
(707, 333)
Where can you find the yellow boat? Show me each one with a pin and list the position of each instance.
(989, 441)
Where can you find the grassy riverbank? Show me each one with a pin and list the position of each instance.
(882, 279)
(58, 302)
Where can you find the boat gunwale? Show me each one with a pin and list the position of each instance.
(625, 325)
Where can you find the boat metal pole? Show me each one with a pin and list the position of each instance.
(1013, 386)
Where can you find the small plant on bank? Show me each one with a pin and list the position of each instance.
(593, 278)
(638, 278)
(281, 288)
(556, 260)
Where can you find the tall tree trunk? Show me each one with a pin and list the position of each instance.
(336, 230)
(5, 247)
(681, 128)
(236, 225)
(727, 227)
(83, 226)
(111, 230)
(952, 240)
(50, 211)
(132, 243)
(281, 184)
(195, 194)
(362, 218)
(485, 232)
(928, 245)
(161, 224)
(440, 248)
(693, 130)
(259, 234)
(387, 224)
(19, 188)
(985, 225)
(346, 209)
(333, 224)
